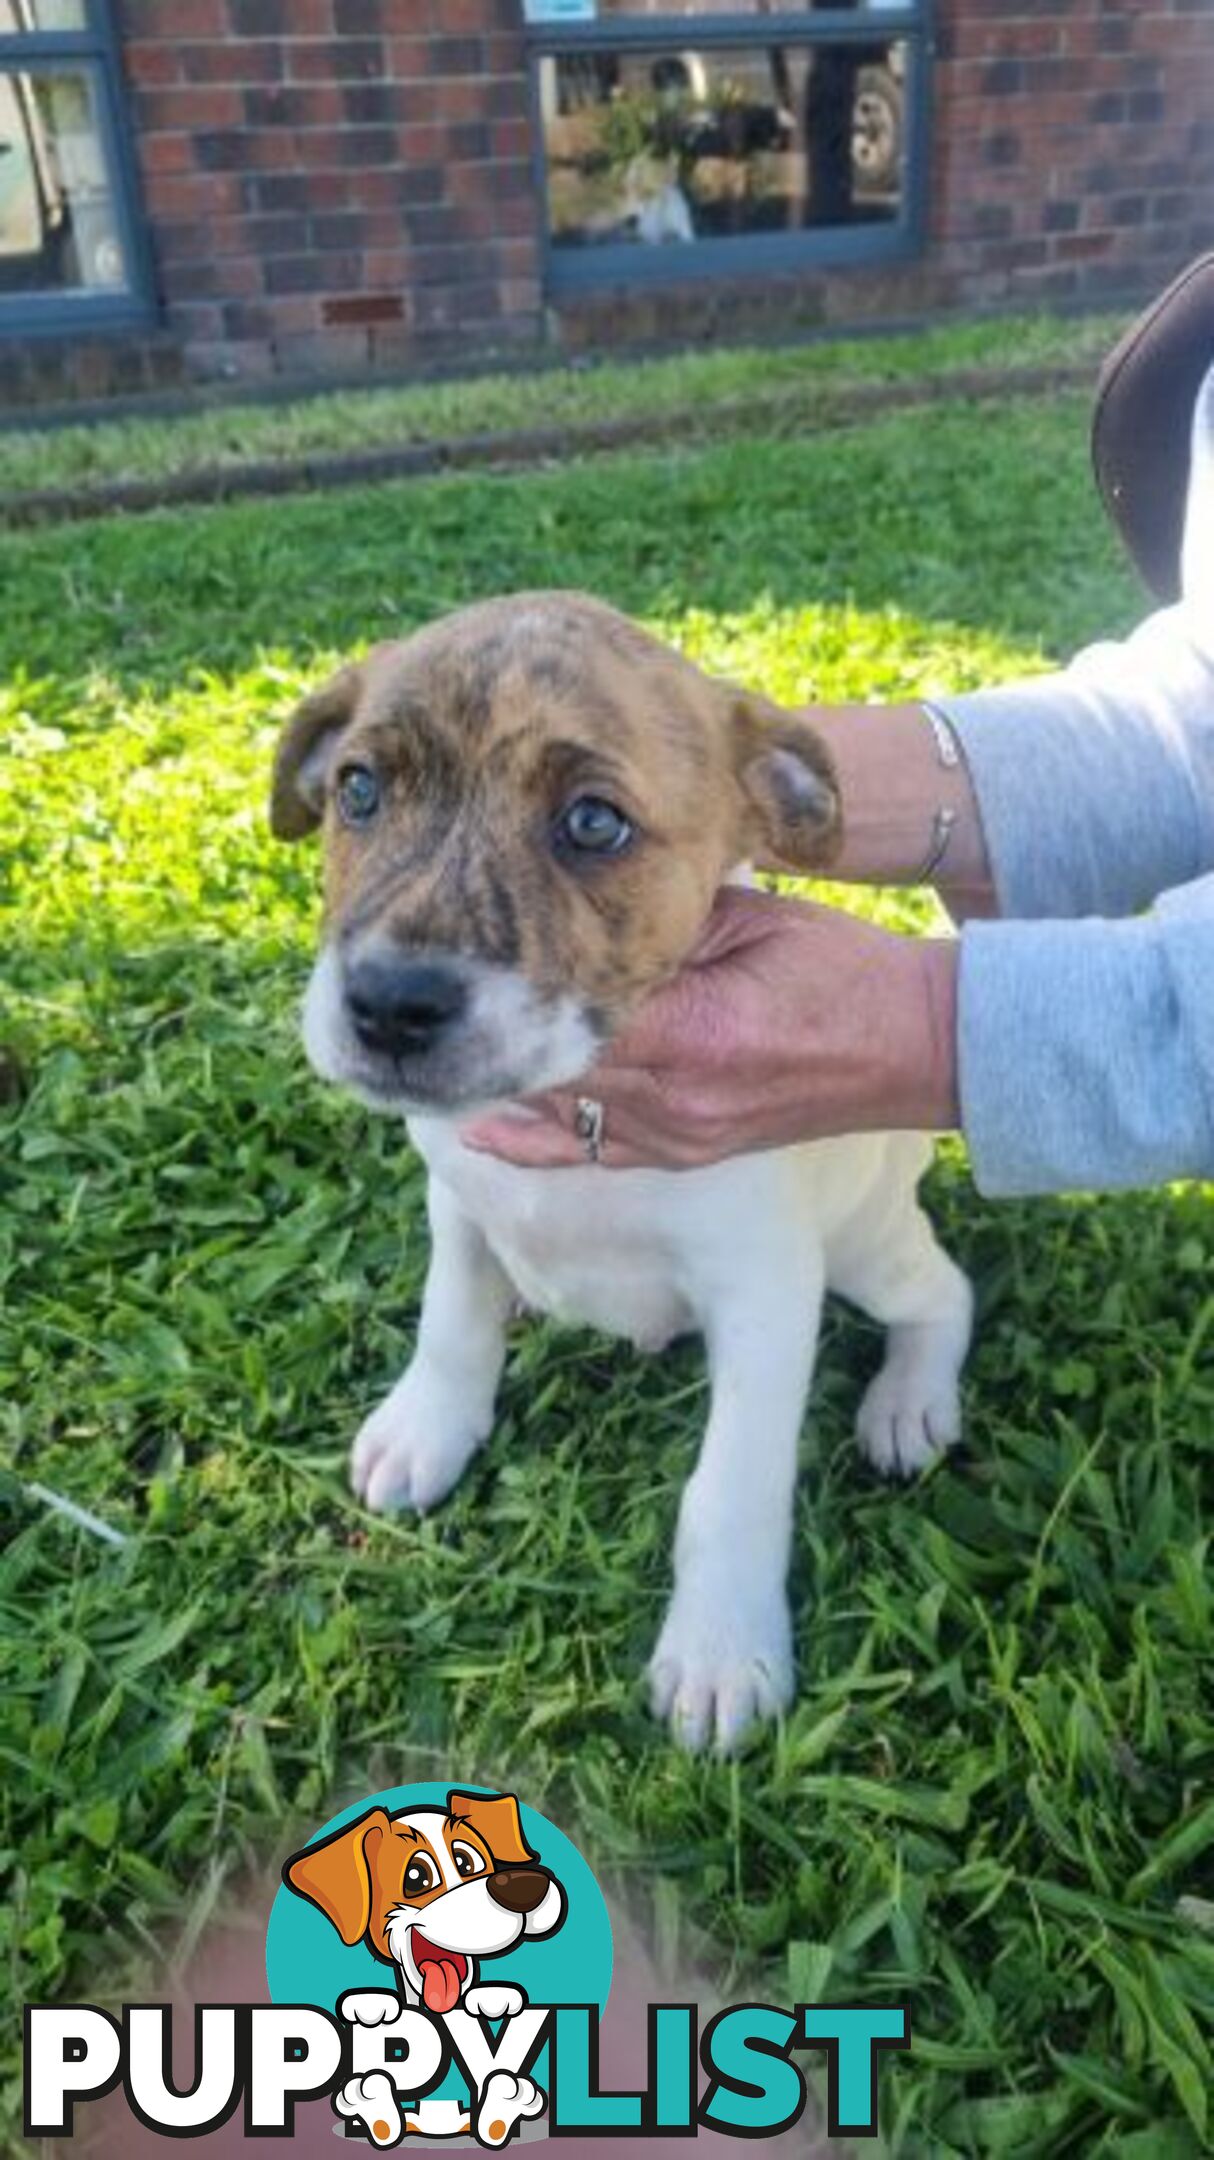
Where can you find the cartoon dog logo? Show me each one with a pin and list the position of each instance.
(433, 1891)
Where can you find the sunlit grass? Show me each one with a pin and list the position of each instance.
(990, 1796)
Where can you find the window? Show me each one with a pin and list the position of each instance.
(71, 250)
(710, 140)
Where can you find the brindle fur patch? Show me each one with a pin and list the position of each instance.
(482, 728)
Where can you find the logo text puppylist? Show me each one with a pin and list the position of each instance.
(499, 1947)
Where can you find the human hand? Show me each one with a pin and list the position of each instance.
(789, 1022)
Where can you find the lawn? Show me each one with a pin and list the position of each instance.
(804, 380)
(993, 1794)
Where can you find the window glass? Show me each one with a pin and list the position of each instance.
(58, 228)
(18, 16)
(667, 148)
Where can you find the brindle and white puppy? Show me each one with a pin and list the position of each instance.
(528, 808)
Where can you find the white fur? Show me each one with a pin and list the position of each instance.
(505, 2101)
(741, 1251)
(654, 204)
(373, 2100)
(513, 1042)
(498, 2000)
(465, 1917)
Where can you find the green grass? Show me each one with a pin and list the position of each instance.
(692, 382)
(992, 1796)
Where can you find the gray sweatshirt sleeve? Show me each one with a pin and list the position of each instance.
(1086, 1047)
(1096, 786)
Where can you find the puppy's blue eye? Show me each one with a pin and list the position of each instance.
(593, 826)
(357, 794)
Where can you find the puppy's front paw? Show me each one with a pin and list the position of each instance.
(505, 2101)
(495, 1999)
(412, 1450)
(372, 2099)
(370, 2006)
(908, 1417)
(721, 1662)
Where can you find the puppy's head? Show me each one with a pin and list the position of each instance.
(432, 1889)
(527, 809)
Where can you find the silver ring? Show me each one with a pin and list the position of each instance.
(589, 1122)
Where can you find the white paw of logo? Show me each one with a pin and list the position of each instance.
(495, 2001)
(505, 2101)
(371, 2006)
(373, 2099)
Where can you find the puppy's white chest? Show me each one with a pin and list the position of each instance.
(591, 1250)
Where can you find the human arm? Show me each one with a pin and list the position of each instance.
(1073, 1054)
(789, 1022)
(1084, 792)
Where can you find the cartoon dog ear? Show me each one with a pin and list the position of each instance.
(336, 1876)
(305, 752)
(791, 811)
(497, 1820)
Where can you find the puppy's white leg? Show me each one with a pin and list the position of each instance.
(724, 1655)
(898, 1273)
(411, 1451)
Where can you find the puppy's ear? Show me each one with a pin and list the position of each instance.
(336, 1876)
(305, 752)
(792, 818)
(496, 1820)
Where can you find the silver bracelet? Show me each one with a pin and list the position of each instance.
(948, 750)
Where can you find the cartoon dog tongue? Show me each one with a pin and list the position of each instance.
(440, 1985)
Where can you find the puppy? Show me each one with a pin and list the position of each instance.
(433, 1891)
(528, 808)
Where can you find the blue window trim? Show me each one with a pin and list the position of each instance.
(54, 313)
(571, 270)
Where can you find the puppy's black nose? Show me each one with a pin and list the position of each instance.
(400, 1007)
(519, 1889)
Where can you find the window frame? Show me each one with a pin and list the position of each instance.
(569, 270)
(95, 47)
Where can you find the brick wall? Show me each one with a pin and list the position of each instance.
(1074, 145)
(340, 184)
(335, 183)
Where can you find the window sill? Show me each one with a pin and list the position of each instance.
(575, 270)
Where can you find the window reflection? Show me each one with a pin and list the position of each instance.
(58, 226)
(18, 16)
(668, 148)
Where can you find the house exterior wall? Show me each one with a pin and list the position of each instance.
(339, 185)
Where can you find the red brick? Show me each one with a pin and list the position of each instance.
(407, 59)
(363, 308)
(236, 60)
(166, 153)
(192, 195)
(149, 65)
(511, 138)
(386, 266)
(193, 109)
(172, 21)
(336, 60)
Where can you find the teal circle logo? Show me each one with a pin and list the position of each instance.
(448, 1898)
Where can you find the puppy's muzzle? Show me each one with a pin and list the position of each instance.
(518, 1889)
(401, 1006)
